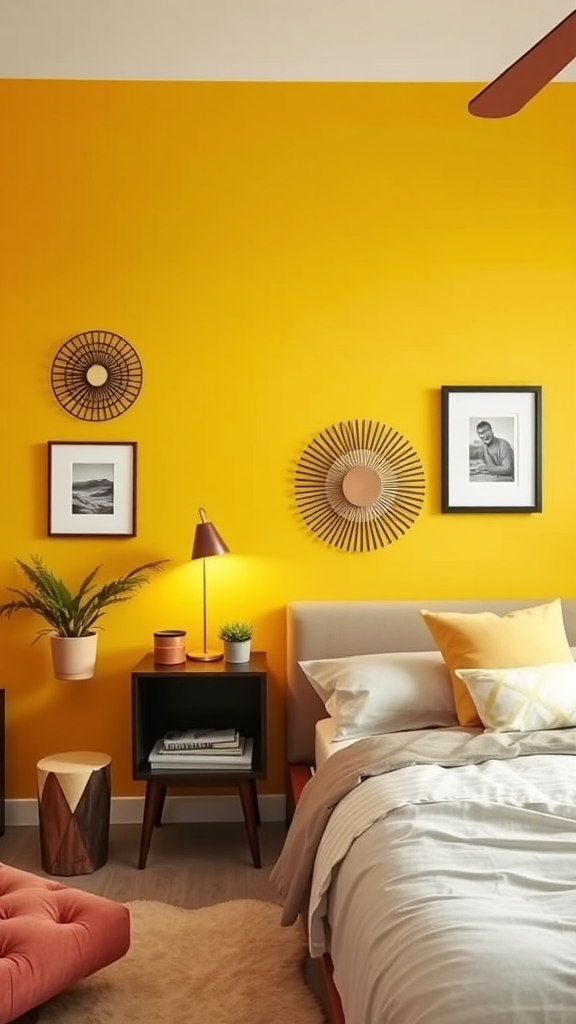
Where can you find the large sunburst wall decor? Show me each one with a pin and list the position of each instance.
(96, 375)
(359, 485)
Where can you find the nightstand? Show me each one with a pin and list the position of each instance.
(200, 695)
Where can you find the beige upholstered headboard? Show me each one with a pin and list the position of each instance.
(334, 629)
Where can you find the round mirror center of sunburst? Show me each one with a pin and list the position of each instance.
(362, 486)
(96, 375)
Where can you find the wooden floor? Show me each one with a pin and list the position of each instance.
(189, 865)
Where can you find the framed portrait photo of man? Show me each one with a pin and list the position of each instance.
(491, 449)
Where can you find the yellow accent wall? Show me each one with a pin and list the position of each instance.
(282, 257)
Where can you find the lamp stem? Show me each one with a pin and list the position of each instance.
(205, 648)
(204, 654)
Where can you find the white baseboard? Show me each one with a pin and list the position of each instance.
(128, 810)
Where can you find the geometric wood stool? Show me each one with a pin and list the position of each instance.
(74, 811)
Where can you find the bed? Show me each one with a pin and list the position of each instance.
(434, 868)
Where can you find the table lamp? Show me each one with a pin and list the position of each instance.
(207, 542)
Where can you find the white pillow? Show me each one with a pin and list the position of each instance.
(368, 694)
(523, 699)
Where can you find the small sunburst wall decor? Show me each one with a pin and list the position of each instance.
(96, 375)
(359, 485)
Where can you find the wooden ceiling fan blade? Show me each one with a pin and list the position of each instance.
(508, 93)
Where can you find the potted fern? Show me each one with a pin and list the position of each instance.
(237, 640)
(71, 618)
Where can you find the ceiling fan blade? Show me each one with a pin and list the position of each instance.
(508, 93)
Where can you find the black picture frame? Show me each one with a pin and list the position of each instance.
(92, 489)
(491, 448)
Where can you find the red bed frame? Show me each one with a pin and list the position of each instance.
(298, 776)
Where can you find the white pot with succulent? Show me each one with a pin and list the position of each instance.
(71, 617)
(237, 641)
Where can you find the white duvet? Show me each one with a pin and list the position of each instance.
(450, 894)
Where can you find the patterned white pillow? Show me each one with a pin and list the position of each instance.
(523, 699)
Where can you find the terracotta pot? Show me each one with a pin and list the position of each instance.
(74, 657)
(169, 646)
(237, 652)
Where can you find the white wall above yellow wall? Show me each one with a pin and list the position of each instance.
(272, 40)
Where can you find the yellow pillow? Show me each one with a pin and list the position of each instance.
(529, 636)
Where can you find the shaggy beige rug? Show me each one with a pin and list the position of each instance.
(231, 963)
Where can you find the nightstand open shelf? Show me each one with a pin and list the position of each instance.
(198, 695)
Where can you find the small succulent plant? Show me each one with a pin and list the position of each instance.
(236, 632)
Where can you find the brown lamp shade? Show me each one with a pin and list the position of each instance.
(207, 540)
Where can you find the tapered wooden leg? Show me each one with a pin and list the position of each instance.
(152, 802)
(254, 792)
(160, 811)
(248, 809)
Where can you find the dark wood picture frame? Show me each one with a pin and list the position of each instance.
(92, 488)
(491, 448)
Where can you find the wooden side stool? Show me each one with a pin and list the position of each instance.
(74, 809)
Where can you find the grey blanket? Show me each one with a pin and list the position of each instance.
(449, 748)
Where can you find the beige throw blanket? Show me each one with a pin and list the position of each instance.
(292, 873)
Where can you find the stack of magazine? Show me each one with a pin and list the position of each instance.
(208, 749)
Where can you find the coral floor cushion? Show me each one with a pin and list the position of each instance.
(51, 936)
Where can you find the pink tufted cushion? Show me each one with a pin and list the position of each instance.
(51, 936)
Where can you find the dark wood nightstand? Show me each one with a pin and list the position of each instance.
(198, 695)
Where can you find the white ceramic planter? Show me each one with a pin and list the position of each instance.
(237, 652)
(74, 657)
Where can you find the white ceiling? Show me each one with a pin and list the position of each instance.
(288, 40)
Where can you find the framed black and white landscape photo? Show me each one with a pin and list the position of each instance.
(491, 449)
(92, 489)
